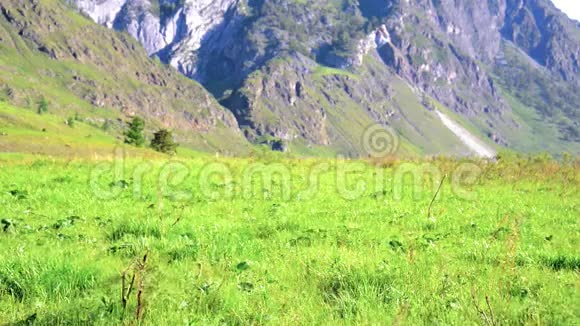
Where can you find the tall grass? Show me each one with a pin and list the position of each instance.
(510, 250)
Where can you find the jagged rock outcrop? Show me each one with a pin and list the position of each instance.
(453, 52)
(172, 29)
(542, 32)
(78, 66)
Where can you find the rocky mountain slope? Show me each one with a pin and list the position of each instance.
(316, 74)
(48, 51)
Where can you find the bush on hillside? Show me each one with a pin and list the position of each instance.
(70, 122)
(42, 106)
(163, 142)
(134, 133)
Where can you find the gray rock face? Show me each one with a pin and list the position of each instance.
(172, 29)
(546, 35)
(445, 49)
(102, 12)
(228, 39)
(473, 26)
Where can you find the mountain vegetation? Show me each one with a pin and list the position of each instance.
(470, 58)
(52, 58)
(134, 133)
(312, 74)
(254, 162)
(163, 142)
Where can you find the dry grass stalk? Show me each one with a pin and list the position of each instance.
(488, 317)
(137, 268)
(434, 197)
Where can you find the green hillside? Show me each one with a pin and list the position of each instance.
(50, 52)
(25, 133)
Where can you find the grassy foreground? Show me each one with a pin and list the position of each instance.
(205, 243)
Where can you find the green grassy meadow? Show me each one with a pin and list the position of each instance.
(95, 232)
(274, 240)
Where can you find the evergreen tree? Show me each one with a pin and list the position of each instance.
(163, 142)
(42, 106)
(134, 133)
(70, 122)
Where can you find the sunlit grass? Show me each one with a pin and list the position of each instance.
(310, 259)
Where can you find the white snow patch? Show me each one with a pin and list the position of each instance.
(475, 144)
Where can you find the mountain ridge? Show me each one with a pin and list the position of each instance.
(314, 75)
(49, 52)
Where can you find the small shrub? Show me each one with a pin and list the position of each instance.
(163, 142)
(134, 133)
(42, 106)
(70, 122)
